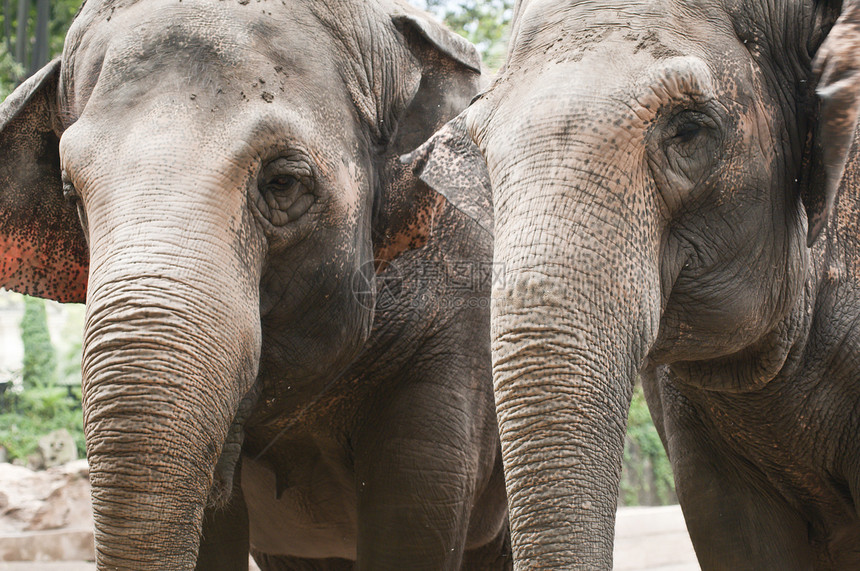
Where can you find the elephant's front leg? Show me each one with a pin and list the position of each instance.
(733, 522)
(419, 472)
(224, 544)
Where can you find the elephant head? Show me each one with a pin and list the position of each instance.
(658, 169)
(211, 177)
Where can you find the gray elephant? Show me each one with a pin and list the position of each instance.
(267, 285)
(667, 202)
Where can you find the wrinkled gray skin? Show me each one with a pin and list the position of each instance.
(658, 171)
(236, 169)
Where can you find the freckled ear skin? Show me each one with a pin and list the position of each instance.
(451, 164)
(42, 247)
(443, 75)
(837, 70)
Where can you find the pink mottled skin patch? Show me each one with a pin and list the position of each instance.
(63, 280)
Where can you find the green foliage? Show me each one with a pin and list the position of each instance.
(27, 416)
(647, 472)
(42, 403)
(485, 23)
(40, 360)
(62, 14)
(12, 70)
(71, 351)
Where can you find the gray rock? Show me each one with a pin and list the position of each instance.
(36, 461)
(57, 448)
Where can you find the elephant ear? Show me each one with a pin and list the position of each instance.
(444, 73)
(42, 248)
(451, 164)
(836, 68)
(450, 73)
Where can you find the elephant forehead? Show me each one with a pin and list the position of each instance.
(591, 103)
(583, 25)
(159, 45)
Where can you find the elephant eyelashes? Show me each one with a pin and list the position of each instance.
(284, 187)
(683, 150)
(687, 126)
(70, 193)
(691, 142)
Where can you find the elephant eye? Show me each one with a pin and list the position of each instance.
(689, 124)
(687, 131)
(285, 190)
(283, 183)
(70, 193)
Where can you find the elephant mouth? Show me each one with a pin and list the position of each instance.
(225, 468)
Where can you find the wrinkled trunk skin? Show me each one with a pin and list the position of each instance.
(172, 342)
(155, 425)
(570, 325)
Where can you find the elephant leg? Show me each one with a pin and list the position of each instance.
(494, 556)
(224, 543)
(653, 379)
(734, 524)
(268, 562)
(416, 460)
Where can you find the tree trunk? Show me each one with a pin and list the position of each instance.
(7, 25)
(41, 50)
(23, 33)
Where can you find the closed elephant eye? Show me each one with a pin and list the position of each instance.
(284, 187)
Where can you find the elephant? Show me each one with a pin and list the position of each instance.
(675, 197)
(286, 347)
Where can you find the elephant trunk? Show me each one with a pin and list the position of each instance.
(572, 323)
(157, 416)
(171, 347)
